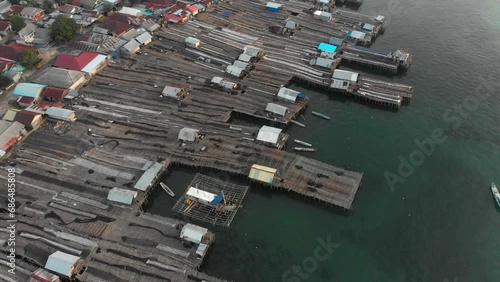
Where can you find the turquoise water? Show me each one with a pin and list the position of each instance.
(441, 222)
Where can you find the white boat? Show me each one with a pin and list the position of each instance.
(496, 195)
(168, 190)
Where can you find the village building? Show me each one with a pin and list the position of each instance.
(64, 264)
(175, 91)
(29, 119)
(87, 62)
(57, 77)
(32, 13)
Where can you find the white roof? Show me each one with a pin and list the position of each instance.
(288, 94)
(216, 79)
(380, 18)
(277, 109)
(171, 91)
(94, 63)
(324, 62)
(245, 58)
(131, 11)
(187, 134)
(121, 195)
(269, 134)
(317, 13)
(192, 40)
(60, 113)
(345, 75)
(251, 50)
(144, 37)
(200, 194)
(132, 46)
(61, 263)
(193, 233)
(273, 5)
(234, 70)
(240, 64)
(368, 26)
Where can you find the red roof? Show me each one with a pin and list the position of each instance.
(119, 17)
(118, 28)
(163, 2)
(25, 100)
(7, 52)
(25, 117)
(17, 9)
(9, 143)
(43, 105)
(67, 8)
(4, 25)
(172, 18)
(72, 62)
(55, 93)
(192, 8)
(21, 47)
(43, 275)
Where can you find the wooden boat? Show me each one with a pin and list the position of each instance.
(168, 190)
(495, 193)
(302, 143)
(303, 149)
(321, 115)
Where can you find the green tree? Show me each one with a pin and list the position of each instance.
(17, 23)
(48, 7)
(64, 29)
(29, 58)
(4, 81)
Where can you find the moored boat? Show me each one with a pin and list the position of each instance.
(168, 190)
(496, 194)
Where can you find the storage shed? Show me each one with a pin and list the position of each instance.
(356, 35)
(175, 91)
(245, 58)
(345, 75)
(336, 41)
(188, 134)
(262, 173)
(192, 42)
(288, 95)
(193, 233)
(324, 62)
(268, 134)
(63, 263)
(273, 6)
(144, 38)
(123, 196)
(235, 71)
(276, 109)
(241, 65)
(253, 51)
(61, 114)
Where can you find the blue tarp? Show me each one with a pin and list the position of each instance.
(217, 200)
(227, 13)
(327, 47)
(301, 96)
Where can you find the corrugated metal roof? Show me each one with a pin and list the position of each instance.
(326, 54)
(94, 63)
(171, 91)
(356, 34)
(290, 24)
(61, 263)
(288, 94)
(327, 47)
(345, 75)
(336, 41)
(28, 89)
(324, 62)
(251, 51)
(277, 109)
(193, 233)
(269, 134)
(130, 11)
(132, 46)
(60, 113)
(240, 64)
(245, 58)
(187, 134)
(368, 26)
(42, 275)
(262, 173)
(148, 176)
(191, 41)
(143, 38)
(10, 115)
(273, 5)
(234, 70)
(121, 195)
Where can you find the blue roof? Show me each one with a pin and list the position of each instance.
(217, 200)
(327, 47)
(28, 89)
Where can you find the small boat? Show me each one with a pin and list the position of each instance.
(321, 115)
(165, 187)
(302, 143)
(496, 195)
(304, 149)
